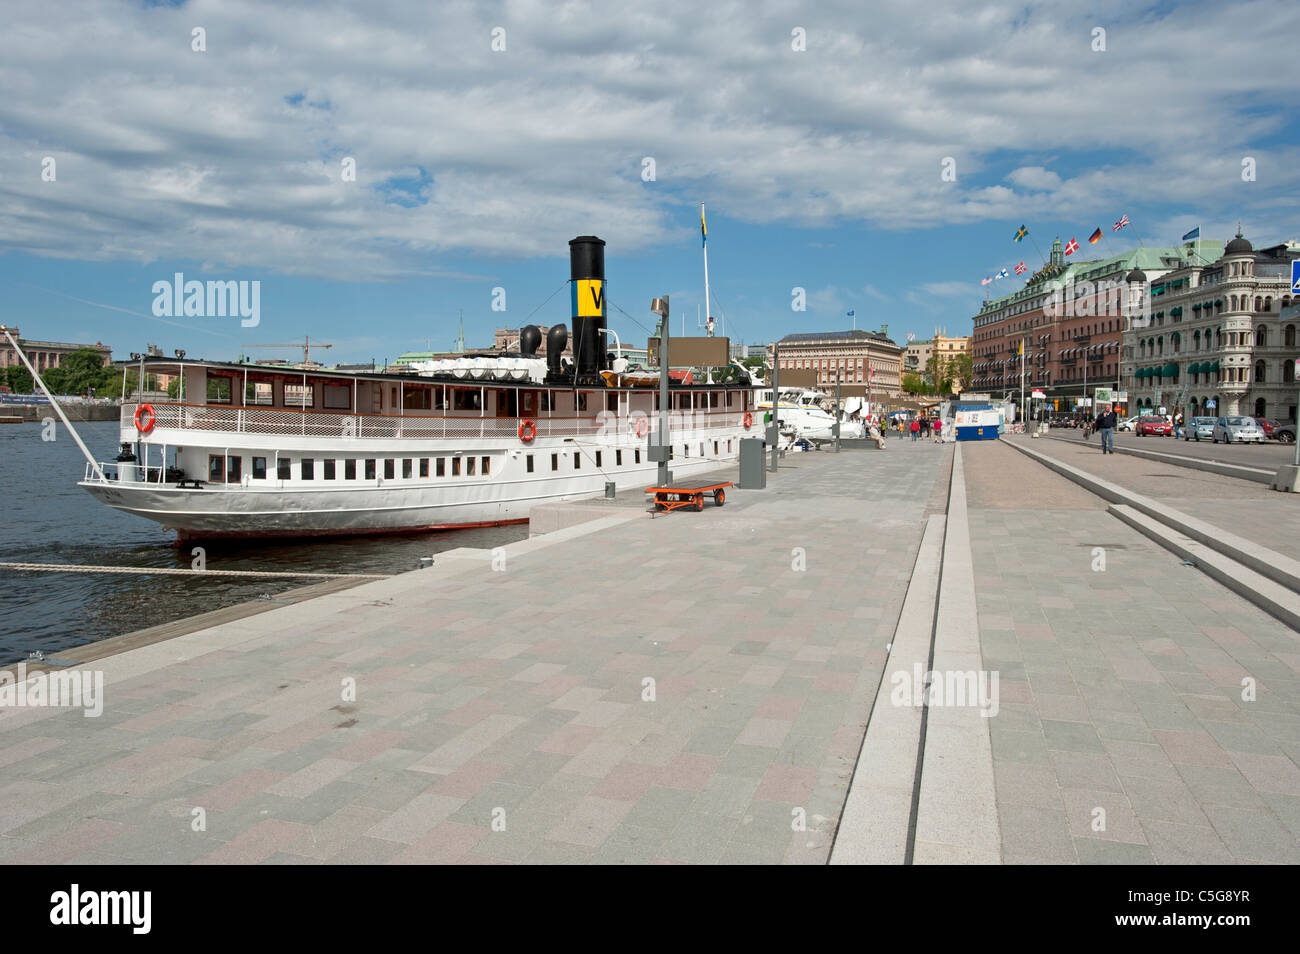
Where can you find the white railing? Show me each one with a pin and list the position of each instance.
(126, 472)
(258, 420)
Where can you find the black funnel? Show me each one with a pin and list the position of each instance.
(587, 292)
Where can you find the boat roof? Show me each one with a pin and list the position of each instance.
(164, 365)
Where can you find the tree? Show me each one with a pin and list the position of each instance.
(912, 383)
(19, 380)
(82, 369)
(963, 371)
(939, 370)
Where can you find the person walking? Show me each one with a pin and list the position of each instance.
(936, 429)
(925, 428)
(916, 430)
(1178, 425)
(1105, 426)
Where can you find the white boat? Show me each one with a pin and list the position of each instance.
(803, 417)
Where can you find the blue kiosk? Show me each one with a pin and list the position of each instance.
(977, 421)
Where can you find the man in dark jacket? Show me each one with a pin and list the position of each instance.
(1105, 426)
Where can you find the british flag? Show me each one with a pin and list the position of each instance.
(1120, 224)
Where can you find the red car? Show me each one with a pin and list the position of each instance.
(1267, 426)
(1153, 425)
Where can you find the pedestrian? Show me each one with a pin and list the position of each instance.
(925, 428)
(935, 429)
(1178, 424)
(916, 430)
(1105, 425)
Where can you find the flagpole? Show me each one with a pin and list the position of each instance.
(704, 241)
(1022, 379)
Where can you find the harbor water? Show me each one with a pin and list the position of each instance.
(49, 519)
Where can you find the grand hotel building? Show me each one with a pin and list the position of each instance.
(851, 354)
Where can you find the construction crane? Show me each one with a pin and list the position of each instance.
(305, 344)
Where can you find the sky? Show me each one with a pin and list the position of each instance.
(382, 168)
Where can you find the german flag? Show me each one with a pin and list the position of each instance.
(1095, 237)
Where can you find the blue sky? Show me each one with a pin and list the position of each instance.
(821, 166)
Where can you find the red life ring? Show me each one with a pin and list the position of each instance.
(642, 427)
(527, 431)
(147, 426)
(749, 420)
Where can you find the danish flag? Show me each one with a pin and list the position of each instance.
(1071, 247)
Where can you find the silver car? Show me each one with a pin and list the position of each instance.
(1197, 428)
(1235, 430)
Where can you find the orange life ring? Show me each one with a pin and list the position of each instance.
(642, 427)
(147, 426)
(749, 420)
(527, 431)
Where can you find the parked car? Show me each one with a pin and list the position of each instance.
(1197, 428)
(1268, 425)
(1285, 433)
(1237, 430)
(1128, 424)
(1147, 426)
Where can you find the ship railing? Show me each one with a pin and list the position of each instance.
(279, 422)
(123, 472)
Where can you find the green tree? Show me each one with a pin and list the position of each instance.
(82, 370)
(913, 383)
(963, 371)
(19, 380)
(939, 371)
(57, 380)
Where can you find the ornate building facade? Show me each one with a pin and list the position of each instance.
(45, 354)
(853, 354)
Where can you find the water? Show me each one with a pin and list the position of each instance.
(52, 520)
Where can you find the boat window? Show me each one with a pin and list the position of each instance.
(598, 456)
(465, 399)
(618, 458)
(701, 448)
(713, 399)
(338, 397)
(730, 398)
(406, 468)
(441, 468)
(218, 390)
(308, 468)
(389, 468)
(330, 464)
(216, 469)
(417, 399)
(296, 395)
(350, 469)
(546, 401)
(424, 467)
(611, 401)
(469, 466)
(393, 401)
(259, 468)
(577, 460)
(530, 463)
(455, 466)
(715, 447)
(555, 462)
(484, 470)
(282, 468)
(259, 392)
(582, 400)
(636, 457)
(370, 468)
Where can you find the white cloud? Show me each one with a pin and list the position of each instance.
(232, 157)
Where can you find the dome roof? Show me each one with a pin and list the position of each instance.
(1137, 275)
(1237, 246)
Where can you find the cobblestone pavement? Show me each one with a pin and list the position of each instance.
(1243, 507)
(505, 715)
(1123, 735)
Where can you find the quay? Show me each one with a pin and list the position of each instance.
(721, 686)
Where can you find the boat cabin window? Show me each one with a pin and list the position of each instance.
(308, 468)
(455, 466)
(218, 390)
(282, 468)
(370, 468)
(730, 398)
(441, 470)
(507, 402)
(216, 469)
(259, 392)
(393, 401)
(555, 462)
(611, 401)
(636, 458)
(350, 469)
(234, 468)
(259, 468)
(469, 466)
(388, 468)
(406, 468)
(529, 463)
(466, 399)
(329, 468)
(618, 458)
(598, 455)
(338, 397)
(484, 469)
(577, 460)
(417, 399)
(298, 395)
(713, 399)
(424, 467)
(582, 400)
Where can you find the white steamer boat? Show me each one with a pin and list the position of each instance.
(256, 451)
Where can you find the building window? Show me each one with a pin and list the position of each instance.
(259, 468)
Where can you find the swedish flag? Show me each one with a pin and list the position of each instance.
(1021, 233)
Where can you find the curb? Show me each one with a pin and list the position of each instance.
(1195, 463)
